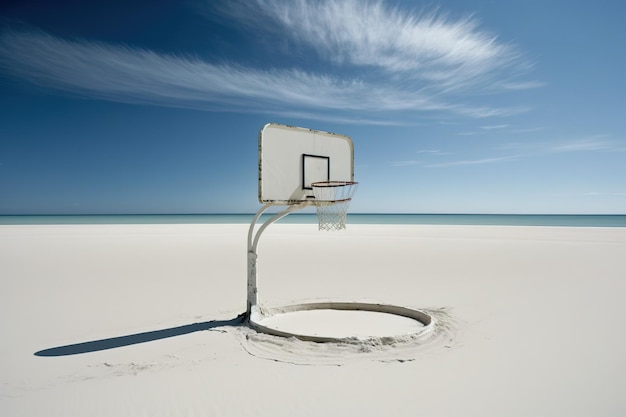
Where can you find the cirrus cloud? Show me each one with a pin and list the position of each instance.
(378, 59)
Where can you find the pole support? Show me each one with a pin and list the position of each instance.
(253, 242)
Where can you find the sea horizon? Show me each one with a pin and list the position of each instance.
(566, 220)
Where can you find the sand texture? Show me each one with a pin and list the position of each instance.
(142, 320)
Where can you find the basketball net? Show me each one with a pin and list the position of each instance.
(332, 199)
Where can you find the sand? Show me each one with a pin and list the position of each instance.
(115, 320)
(344, 324)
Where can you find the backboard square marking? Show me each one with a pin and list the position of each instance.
(314, 168)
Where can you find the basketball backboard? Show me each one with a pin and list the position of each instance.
(291, 158)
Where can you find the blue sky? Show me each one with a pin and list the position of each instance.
(453, 106)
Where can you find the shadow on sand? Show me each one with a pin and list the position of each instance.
(134, 339)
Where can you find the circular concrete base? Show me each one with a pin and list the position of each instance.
(336, 321)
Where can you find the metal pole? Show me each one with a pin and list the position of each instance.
(253, 242)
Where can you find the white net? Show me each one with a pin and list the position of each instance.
(332, 199)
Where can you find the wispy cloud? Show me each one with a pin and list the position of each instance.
(406, 62)
(481, 161)
(494, 127)
(425, 152)
(527, 130)
(593, 143)
(519, 151)
(421, 45)
(498, 129)
(546, 147)
(432, 151)
(125, 74)
(405, 163)
(523, 85)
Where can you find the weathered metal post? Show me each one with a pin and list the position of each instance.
(253, 243)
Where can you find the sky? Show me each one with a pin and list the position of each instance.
(460, 106)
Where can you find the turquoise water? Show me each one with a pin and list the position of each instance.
(442, 219)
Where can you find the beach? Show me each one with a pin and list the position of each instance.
(112, 320)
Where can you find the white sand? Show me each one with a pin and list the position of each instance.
(343, 324)
(531, 321)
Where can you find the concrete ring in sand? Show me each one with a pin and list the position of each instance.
(348, 320)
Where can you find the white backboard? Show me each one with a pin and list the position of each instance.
(291, 158)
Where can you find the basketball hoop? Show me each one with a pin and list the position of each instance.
(332, 199)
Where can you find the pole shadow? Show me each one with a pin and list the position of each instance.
(133, 339)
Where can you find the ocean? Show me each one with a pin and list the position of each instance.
(570, 220)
